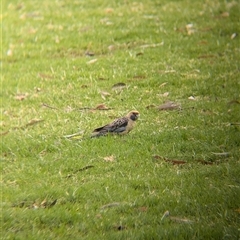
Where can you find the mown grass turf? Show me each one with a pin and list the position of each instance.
(60, 60)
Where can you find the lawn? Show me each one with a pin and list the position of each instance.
(68, 67)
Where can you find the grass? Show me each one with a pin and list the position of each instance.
(120, 187)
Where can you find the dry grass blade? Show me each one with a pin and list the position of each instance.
(181, 220)
(166, 214)
(74, 134)
(92, 61)
(152, 45)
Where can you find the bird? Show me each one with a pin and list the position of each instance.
(119, 126)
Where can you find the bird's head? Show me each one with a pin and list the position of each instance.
(133, 115)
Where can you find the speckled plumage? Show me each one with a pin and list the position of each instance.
(119, 126)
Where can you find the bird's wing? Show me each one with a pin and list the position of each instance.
(117, 126)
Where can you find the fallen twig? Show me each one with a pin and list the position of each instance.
(48, 106)
(79, 170)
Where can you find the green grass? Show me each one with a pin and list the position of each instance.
(46, 75)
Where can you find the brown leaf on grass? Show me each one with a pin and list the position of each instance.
(21, 96)
(169, 106)
(118, 86)
(172, 161)
(101, 107)
(109, 158)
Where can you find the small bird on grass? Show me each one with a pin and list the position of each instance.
(119, 126)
